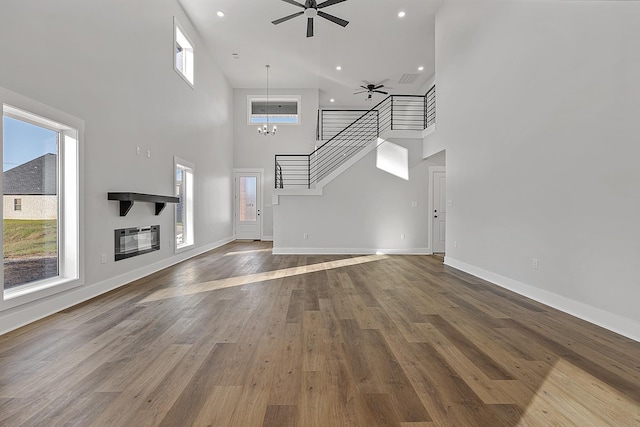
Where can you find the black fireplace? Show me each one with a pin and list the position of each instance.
(135, 241)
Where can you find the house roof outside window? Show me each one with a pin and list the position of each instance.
(35, 177)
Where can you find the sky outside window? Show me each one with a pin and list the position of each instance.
(24, 141)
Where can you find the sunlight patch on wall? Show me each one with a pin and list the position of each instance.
(394, 159)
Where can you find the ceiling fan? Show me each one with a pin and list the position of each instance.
(371, 88)
(311, 11)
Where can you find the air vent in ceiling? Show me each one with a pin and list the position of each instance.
(407, 79)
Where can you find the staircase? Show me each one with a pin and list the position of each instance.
(394, 113)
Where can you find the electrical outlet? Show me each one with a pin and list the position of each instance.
(137, 150)
(455, 243)
(414, 204)
(305, 236)
(103, 259)
(534, 263)
(402, 236)
(148, 154)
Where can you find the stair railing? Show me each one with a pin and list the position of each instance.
(333, 121)
(278, 176)
(396, 112)
(430, 107)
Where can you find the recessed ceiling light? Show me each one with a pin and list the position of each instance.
(420, 68)
(338, 68)
(220, 14)
(332, 100)
(401, 14)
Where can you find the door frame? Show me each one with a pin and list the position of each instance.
(433, 169)
(257, 171)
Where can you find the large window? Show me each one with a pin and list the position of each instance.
(278, 109)
(183, 53)
(40, 239)
(184, 181)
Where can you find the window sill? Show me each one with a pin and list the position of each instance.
(184, 248)
(36, 291)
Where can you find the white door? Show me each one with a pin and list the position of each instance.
(248, 205)
(439, 214)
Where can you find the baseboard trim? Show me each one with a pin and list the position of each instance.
(605, 319)
(22, 315)
(350, 251)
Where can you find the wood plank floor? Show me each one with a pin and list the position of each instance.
(240, 337)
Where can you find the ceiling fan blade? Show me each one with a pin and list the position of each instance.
(286, 18)
(377, 87)
(333, 19)
(309, 27)
(329, 3)
(293, 2)
(379, 91)
(362, 91)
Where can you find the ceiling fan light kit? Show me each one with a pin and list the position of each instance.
(371, 88)
(311, 11)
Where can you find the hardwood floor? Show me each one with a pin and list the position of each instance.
(240, 337)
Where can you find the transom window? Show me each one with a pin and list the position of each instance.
(279, 110)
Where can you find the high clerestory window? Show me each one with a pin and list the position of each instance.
(183, 53)
(279, 110)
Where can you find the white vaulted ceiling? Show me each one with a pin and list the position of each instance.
(375, 46)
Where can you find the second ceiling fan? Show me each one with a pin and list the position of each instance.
(311, 11)
(372, 88)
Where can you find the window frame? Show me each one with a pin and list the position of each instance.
(274, 99)
(17, 204)
(188, 225)
(189, 53)
(70, 209)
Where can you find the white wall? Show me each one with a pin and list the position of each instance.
(252, 150)
(363, 210)
(538, 108)
(110, 63)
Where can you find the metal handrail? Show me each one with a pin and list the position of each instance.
(395, 112)
(430, 107)
(330, 122)
(278, 176)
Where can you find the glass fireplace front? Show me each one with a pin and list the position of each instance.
(135, 241)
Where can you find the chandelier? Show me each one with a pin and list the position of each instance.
(264, 129)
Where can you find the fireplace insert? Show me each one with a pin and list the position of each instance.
(135, 241)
